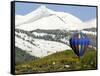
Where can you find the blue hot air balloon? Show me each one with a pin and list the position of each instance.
(79, 42)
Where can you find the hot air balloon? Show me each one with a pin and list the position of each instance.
(79, 43)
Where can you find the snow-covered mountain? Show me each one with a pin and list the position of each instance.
(91, 27)
(91, 23)
(44, 18)
(44, 31)
(40, 44)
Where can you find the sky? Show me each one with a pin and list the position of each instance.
(84, 13)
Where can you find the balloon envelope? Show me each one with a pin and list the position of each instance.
(79, 42)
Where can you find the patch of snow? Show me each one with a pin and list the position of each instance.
(42, 34)
(90, 24)
(41, 48)
(89, 32)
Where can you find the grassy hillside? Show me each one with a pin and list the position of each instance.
(60, 61)
(22, 56)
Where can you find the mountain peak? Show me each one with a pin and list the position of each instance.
(43, 7)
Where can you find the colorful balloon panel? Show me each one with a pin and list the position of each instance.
(79, 42)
